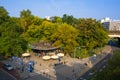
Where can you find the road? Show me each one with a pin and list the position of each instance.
(99, 66)
(5, 76)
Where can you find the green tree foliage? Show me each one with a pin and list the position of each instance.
(112, 71)
(69, 20)
(33, 34)
(65, 36)
(11, 42)
(3, 15)
(26, 19)
(91, 33)
(48, 29)
(37, 20)
(56, 19)
(42, 32)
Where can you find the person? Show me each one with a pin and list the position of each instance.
(38, 54)
(12, 58)
(56, 52)
(40, 64)
(30, 68)
(22, 69)
(59, 59)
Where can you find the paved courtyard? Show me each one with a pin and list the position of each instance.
(51, 70)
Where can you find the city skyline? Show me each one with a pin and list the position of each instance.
(78, 8)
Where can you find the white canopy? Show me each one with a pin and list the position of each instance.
(60, 54)
(26, 54)
(54, 57)
(46, 57)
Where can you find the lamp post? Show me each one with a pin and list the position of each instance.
(74, 61)
(75, 54)
(75, 51)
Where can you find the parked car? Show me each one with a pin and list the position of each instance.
(7, 66)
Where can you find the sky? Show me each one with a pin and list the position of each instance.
(96, 9)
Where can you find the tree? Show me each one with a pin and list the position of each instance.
(91, 33)
(56, 19)
(33, 34)
(69, 20)
(37, 21)
(48, 28)
(26, 19)
(11, 39)
(3, 15)
(65, 36)
(44, 31)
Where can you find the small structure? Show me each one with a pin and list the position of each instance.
(43, 48)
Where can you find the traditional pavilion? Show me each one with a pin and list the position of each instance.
(43, 47)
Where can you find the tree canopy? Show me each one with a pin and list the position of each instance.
(11, 41)
(67, 32)
(3, 14)
(91, 33)
(65, 36)
(26, 19)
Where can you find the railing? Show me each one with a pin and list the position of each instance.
(114, 32)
